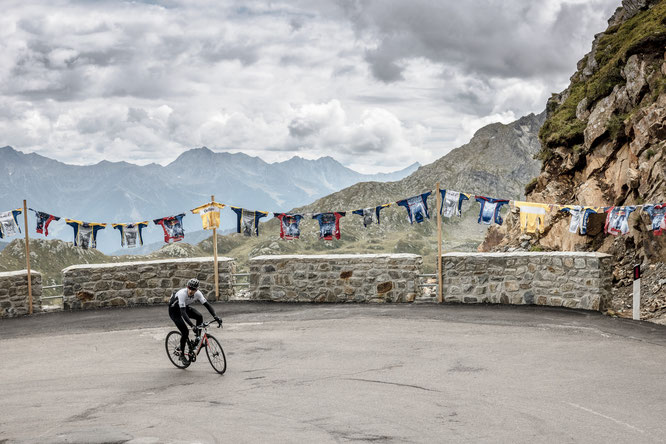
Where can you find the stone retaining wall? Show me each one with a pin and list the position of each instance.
(14, 293)
(335, 278)
(561, 279)
(141, 283)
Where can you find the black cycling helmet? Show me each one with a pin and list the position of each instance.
(193, 284)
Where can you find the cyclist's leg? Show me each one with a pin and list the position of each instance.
(194, 315)
(174, 314)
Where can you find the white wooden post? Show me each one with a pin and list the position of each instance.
(637, 293)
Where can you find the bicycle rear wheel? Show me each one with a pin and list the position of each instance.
(172, 342)
(216, 355)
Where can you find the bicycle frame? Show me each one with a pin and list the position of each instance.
(199, 345)
(204, 337)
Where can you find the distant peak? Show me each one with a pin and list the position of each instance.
(327, 159)
(195, 153)
(8, 150)
(109, 163)
(201, 151)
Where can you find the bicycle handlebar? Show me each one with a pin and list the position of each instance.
(206, 324)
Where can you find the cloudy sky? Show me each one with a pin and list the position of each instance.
(377, 84)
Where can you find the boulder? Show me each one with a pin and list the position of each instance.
(582, 113)
(634, 73)
(597, 124)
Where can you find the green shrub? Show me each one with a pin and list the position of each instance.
(615, 126)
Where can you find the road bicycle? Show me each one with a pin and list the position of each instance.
(213, 348)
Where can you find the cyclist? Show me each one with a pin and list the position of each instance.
(180, 312)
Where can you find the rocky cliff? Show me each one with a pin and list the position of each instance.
(604, 144)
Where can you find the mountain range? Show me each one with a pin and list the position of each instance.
(497, 162)
(124, 192)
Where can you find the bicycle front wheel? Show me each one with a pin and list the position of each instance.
(172, 344)
(216, 355)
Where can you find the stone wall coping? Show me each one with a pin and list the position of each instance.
(5, 274)
(530, 254)
(334, 256)
(161, 261)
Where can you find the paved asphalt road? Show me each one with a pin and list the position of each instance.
(336, 373)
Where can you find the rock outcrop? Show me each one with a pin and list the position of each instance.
(604, 144)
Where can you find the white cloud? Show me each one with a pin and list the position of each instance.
(375, 84)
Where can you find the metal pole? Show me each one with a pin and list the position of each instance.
(440, 299)
(637, 293)
(27, 254)
(217, 283)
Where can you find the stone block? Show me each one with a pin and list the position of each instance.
(528, 297)
(511, 286)
(101, 285)
(384, 287)
(125, 294)
(482, 279)
(593, 264)
(117, 302)
(571, 303)
(555, 301)
(116, 285)
(84, 296)
(454, 289)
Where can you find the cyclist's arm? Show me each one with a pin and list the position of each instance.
(210, 309)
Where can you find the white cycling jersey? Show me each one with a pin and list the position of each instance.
(184, 299)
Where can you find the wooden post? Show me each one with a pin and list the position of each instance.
(27, 254)
(439, 246)
(217, 283)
